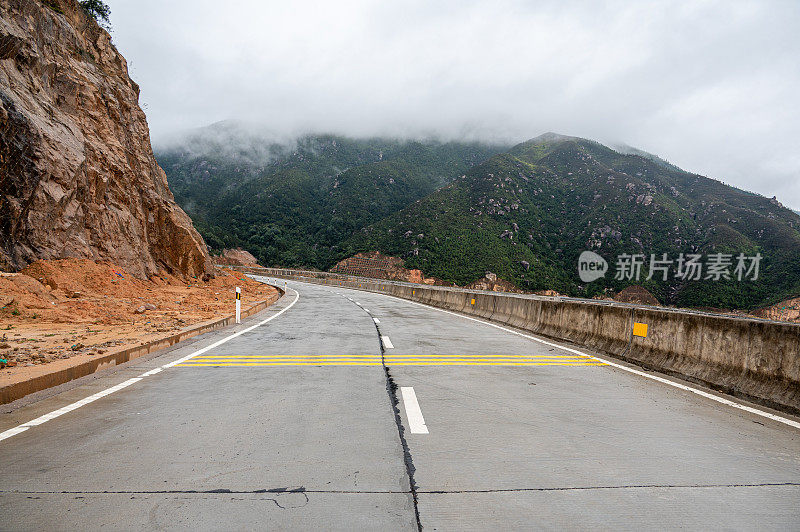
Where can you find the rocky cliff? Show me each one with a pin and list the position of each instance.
(77, 172)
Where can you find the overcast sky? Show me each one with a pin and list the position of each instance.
(713, 87)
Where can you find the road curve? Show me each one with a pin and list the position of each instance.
(352, 410)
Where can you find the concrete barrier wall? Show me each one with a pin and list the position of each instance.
(755, 359)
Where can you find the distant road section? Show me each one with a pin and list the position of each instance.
(340, 409)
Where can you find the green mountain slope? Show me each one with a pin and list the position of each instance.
(527, 214)
(293, 202)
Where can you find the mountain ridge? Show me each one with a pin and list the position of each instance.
(311, 193)
(528, 213)
(524, 212)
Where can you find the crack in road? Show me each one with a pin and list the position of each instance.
(391, 390)
(306, 491)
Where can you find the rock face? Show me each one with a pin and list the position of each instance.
(77, 172)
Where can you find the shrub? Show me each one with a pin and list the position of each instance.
(97, 9)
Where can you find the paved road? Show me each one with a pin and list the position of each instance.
(297, 423)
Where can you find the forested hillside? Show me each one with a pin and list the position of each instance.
(458, 210)
(293, 202)
(529, 213)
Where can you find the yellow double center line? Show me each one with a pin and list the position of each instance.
(393, 359)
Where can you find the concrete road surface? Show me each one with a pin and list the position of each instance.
(339, 409)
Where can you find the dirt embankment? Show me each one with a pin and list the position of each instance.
(491, 282)
(636, 294)
(375, 265)
(235, 257)
(788, 310)
(57, 312)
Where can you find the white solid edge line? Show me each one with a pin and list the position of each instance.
(234, 335)
(12, 432)
(678, 385)
(416, 423)
(70, 407)
(64, 409)
(386, 342)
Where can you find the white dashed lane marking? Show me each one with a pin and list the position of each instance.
(416, 423)
(386, 342)
(740, 406)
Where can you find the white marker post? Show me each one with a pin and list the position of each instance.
(238, 305)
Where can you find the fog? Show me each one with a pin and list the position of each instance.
(710, 86)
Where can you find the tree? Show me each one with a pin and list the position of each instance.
(97, 9)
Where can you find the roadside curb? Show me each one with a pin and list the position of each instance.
(18, 390)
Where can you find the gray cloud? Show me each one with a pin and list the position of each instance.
(710, 86)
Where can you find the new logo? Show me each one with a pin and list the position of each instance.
(591, 266)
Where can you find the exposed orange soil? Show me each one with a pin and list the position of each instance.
(375, 265)
(788, 310)
(235, 257)
(61, 312)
